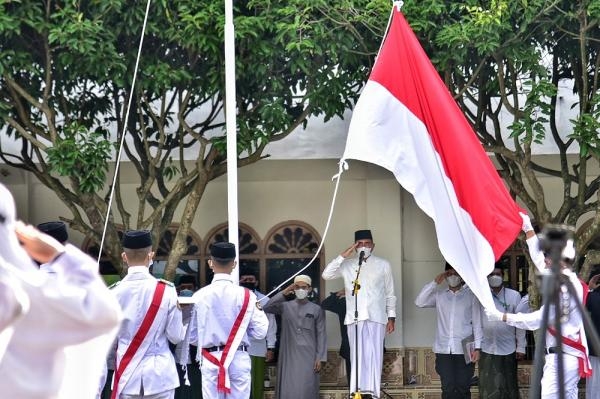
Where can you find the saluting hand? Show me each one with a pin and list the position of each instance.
(594, 282)
(350, 251)
(440, 278)
(39, 246)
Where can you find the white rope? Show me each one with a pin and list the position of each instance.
(126, 122)
(342, 167)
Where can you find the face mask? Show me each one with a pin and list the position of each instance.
(186, 293)
(453, 281)
(366, 250)
(495, 281)
(301, 293)
(250, 286)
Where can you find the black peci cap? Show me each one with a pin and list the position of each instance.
(57, 230)
(137, 239)
(362, 235)
(224, 251)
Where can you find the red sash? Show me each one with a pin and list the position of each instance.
(221, 385)
(139, 335)
(584, 364)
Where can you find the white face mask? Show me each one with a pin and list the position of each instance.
(495, 281)
(366, 250)
(453, 281)
(301, 293)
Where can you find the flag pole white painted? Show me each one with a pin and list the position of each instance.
(231, 129)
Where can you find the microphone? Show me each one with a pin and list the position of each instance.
(361, 258)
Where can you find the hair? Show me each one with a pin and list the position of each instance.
(246, 271)
(448, 266)
(219, 262)
(137, 255)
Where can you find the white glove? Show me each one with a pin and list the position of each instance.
(493, 314)
(526, 226)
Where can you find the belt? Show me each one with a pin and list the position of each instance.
(552, 349)
(219, 348)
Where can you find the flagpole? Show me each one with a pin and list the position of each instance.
(231, 129)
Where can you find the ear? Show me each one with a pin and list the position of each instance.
(152, 254)
(124, 257)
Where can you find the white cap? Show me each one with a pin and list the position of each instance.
(303, 278)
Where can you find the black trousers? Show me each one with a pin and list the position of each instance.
(455, 375)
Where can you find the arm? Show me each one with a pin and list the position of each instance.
(275, 304)
(321, 338)
(259, 324)
(477, 325)
(528, 321)
(332, 270)
(174, 327)
(390, 300)
(533, 244)
(271, 331)
(426, 298)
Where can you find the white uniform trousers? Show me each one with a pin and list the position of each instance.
(592, 384)
(170, 394)
(550, 387)
(370, 356)
(239, 377)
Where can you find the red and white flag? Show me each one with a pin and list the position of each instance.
(407, 122)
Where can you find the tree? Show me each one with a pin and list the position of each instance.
(66, 74)
(509, 58)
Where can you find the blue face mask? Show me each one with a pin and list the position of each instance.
(186, 293)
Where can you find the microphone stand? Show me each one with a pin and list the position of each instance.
(355, 288)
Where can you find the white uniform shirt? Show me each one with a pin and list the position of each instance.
(157, 371)
(376, 299)
(67, 308)
(258, 347)
(498, 337)
(571, 328)
(216, 307)
(458, 316)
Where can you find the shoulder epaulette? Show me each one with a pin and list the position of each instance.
(113, 285)
(167, 282)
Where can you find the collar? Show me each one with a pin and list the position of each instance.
(138, 269)
(222, 277)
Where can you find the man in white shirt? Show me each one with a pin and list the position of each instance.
(42, 314)
(458, 317)
(145, 366)
(225, 318)
(574, 348)
(260, 350)
(373, 299)
(502, 345)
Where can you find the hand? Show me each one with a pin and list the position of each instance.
(494, 314)
(520, 356)
(439, 279)
(594, 282)
(475, 355)
(317, 367)
(341, 293)
(289, 289)
(270, 356)
(39, 246)
(526, 226)
(390, 327)
(349, 251)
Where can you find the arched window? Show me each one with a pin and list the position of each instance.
(289, 246)
(189, 263)
(249, 251)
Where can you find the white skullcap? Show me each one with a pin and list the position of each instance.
(303, 278)
(569, 250)
(10, 249)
